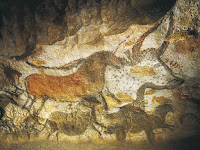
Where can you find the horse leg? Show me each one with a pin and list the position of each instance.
(42, 105)
(28, 108)
(102, 100)
(112, 95)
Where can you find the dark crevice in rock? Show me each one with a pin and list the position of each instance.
(29, 51)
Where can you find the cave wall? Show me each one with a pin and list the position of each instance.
(25, 24)
(149, 94)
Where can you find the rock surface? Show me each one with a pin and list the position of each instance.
(152, 98)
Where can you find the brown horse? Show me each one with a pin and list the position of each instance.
(87, 81)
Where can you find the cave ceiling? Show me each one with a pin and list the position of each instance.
(24, 24)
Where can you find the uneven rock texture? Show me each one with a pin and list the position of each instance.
(25, 24)
(145, 91)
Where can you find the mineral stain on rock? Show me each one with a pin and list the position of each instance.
(161, 100)
(143, 71)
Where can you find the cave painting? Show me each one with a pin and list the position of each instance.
(86, 87)
(133, 120)
(88, 81)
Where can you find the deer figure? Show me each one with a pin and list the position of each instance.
(137, 56)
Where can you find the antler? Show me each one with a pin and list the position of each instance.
(137, 46)
(136, 50)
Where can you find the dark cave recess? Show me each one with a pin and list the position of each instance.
(25, 23)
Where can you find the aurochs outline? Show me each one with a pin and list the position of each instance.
(87, 81)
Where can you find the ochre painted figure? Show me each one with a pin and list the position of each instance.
(88, 81)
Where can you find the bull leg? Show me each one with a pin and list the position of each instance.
(150, 136)
(93, 114)
(53, 127)
(120, 134)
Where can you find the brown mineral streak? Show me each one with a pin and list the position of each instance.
(87, 81)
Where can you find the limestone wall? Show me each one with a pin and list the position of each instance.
(145, 91)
